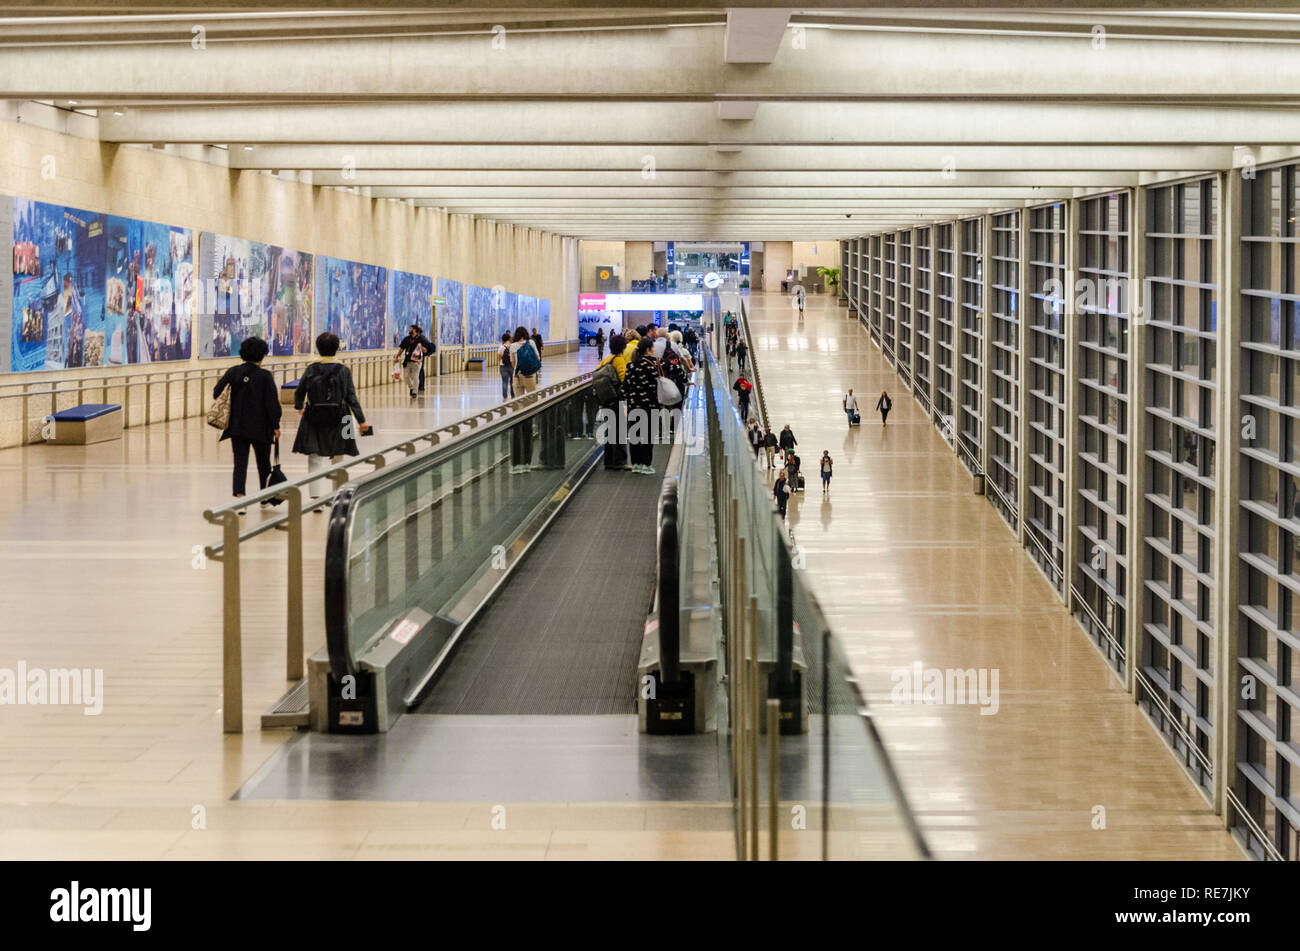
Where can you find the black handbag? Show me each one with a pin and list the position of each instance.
(277, 474)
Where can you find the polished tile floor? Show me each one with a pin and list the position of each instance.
(99, 572)
(911, 566)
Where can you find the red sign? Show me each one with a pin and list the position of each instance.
(404, 631)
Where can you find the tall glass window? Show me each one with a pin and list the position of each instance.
(970, 354)
(945, 331)
(1004, 364)
(1178, 597)
(1045, 425)
(891, 298)
(922, 315)
(1267, 780)
(1101, 546)
(904, 309)
(877, 275)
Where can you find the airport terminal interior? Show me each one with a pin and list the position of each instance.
(671, 432)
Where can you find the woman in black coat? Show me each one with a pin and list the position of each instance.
(331, 414)
(254, 413)
(641, 388)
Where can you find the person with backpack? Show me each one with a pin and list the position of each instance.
(781, 492)
(641, 388)
(884, 404)
(327, 402)
(527, 361)
(506, 368)
(741, 350)
(744, 389)
(826, 465)
(792, 471)
(254, 421)
(607, 387)
(851, 407)
(769, 445)
(410, 355)
(691, 339)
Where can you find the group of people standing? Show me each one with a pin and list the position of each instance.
(639, 359)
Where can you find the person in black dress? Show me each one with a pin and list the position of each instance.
(254, 413)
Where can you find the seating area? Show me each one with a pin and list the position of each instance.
(85, 424)
(288, 391)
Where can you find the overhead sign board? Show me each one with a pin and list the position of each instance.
(622, 302)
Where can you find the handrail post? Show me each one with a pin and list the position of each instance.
(755, 726)
(232, 673)
(294, 633)
(773, 775)
(126, 401)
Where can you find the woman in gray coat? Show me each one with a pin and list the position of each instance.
(331, 414)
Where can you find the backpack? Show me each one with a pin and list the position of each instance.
(325, 397)
(605, 384)
(526, 359)
(505, 356)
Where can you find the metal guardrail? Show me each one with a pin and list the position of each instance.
(228, 552)
(370, 369)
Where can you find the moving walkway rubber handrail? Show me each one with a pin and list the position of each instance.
(670, 606)
(346, 501)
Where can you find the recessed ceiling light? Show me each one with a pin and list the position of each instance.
(248, 148)
(72, 102)
(118, 112)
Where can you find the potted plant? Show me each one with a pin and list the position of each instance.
(832, 277)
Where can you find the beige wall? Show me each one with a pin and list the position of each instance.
(143, 183)
(776, 260)
(592, 254)
(828, 254)
(639, 258)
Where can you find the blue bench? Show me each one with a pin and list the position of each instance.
(288, 391)
(88, 423)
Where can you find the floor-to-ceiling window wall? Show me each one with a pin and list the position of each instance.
(922, 311)
(1101, 543)
(903, 312)
(889, 341)
(945, 315)
(1267, 780)
(1004, 367)
(970, 349)
(877, 279)
(1044, 320)
(1177, 637)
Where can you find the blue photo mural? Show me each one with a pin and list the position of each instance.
(410, 300)
(451, 315)
(352, 302)
(58, 292)
(507, 312)
(544, 316)
(482, 316)
(528, 313)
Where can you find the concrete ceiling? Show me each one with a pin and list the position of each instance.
(698, 122)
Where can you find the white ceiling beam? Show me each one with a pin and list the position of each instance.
(754, 34)
(598, 123)
(678, 64)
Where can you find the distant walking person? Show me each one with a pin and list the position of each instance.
(755, 438)
(826, 465)
(800, 295)
(743, 390)
(787, 442)
(600, 344)
(769, 445)
(884, 404)
(506, 368)
(527, 361)
(410, 355)
(331, 414)
(741, 350)
(254, 413)
(851, 406)
(781, 492)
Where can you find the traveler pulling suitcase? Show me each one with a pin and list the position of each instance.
(857, 419)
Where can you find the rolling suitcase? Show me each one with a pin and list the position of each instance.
(857, 419)
(801, 482)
